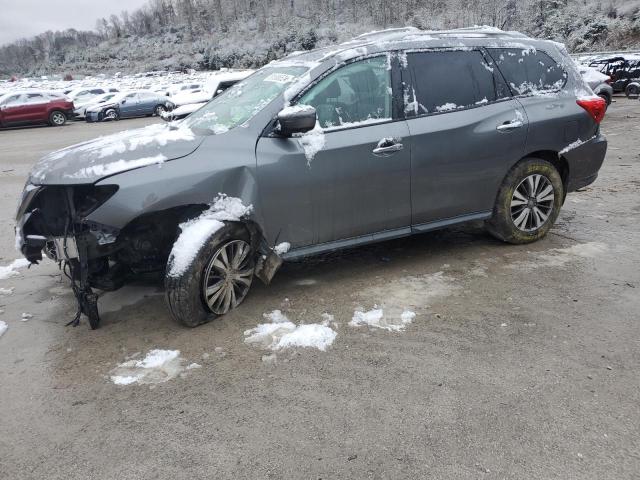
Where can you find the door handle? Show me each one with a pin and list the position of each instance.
(508, 126)
(388, 149)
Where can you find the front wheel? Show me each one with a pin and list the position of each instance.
(215, 281)
(159, 110)
(111, 114)
(57, 118)
(528, 202)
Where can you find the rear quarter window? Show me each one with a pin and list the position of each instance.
(529, 71)
(450, 80)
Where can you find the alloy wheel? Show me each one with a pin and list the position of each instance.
(58, 118)
(228, 276)
(532, 203)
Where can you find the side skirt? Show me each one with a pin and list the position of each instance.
(382, 236)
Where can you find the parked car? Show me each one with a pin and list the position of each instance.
(138, 103)
(599, 83)
(182, 88)
(81, 108)
(80, 95)
(334, 148)
(31, 106)
(621, 69)
(189, 101)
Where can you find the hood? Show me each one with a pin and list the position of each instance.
(91, 161)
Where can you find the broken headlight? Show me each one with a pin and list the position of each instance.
(87, 198)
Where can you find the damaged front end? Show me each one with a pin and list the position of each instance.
(52, 219)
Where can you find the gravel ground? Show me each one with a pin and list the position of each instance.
(521, 363)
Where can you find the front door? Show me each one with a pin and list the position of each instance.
(349, 178)
(465, 134)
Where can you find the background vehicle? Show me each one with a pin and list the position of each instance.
(183, 88)
(22, 108)
(81, 108)
(334, 148)
(621, 69)
(82, 95)
(599, 83)
(128, 105)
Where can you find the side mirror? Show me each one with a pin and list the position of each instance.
(296, 119)
(123, 102)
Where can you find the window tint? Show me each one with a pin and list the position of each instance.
(358, 92)
(131, 95)
(12, 100)
(448, 80)
(529, 70)
(97, 91)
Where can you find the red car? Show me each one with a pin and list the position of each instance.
(21, 108)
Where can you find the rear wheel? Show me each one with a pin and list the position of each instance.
(57, 118)
(217, 280)
(528, 202)
(632, 90)
(111, 114)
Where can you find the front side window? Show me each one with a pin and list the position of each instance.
(356, 93)
(444, 81)
(529, 71)
(244, 100)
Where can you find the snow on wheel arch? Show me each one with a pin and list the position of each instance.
(195, 232)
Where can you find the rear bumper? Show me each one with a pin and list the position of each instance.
(585, 161)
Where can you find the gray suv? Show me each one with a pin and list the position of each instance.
(393, 133)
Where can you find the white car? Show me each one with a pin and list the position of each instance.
(82, 105)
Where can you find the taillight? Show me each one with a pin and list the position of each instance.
(595, 106)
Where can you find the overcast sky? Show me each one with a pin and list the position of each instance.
(26, 18)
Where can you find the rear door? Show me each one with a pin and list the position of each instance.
(36, 107)
(350, 177)
(465, 133)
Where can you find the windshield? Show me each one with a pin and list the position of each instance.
(243, 100)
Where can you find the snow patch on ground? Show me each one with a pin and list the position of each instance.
(11, 270)
(3, 327)
(6, 291)
(195, 232)
(375, 318)
(157, 366)
(281, 333)
(557, 257)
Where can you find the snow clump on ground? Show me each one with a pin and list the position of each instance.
(375, 318)
(11, 270)
(3, 327)
(157, 366)
(281, 333)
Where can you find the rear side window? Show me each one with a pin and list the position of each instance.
(449, 80)
(529, 71)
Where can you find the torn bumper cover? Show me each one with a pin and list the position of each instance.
(50, 219)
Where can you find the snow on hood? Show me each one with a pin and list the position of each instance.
(90, 161)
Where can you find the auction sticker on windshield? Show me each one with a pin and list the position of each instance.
(279, 78)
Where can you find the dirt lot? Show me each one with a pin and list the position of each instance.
(522, 362)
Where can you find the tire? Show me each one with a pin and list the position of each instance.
(57, 118)
(159, 110)
(510, 221)
(185, 293)
(632, 90)
(111, 114)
